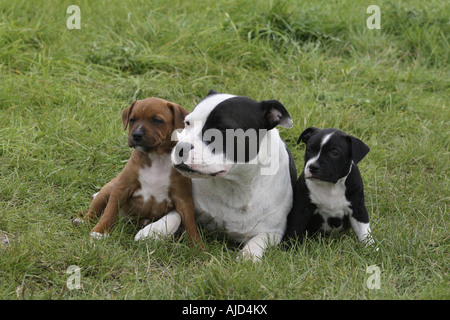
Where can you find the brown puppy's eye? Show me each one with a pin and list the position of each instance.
(132, 120)
(156, 121)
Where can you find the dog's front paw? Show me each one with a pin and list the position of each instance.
(147, 233)
(77, 222)
(366, 240)
(164, 227)
(97, 235)
(369, 242)
(245, 254)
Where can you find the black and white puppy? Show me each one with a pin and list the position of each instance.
(242, 172)
(329, 195)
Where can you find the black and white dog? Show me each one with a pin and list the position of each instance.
(242, 172)
(329, 193)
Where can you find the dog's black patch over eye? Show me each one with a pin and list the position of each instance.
(156, 121)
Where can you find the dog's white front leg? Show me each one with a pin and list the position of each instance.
(255, 247)
(166, 226)
(362, 230)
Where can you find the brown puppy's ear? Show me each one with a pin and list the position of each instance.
(126, 115)
(179, 113)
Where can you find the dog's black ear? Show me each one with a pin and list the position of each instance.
(306, 134)
(126, 115)
(359, 149)
(211, 92)
(275, 114)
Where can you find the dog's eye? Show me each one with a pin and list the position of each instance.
(308, 150)
(156, 121)
(335, 153)
(187, 123)
(132, 120)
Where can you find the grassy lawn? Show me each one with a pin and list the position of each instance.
(61, 138)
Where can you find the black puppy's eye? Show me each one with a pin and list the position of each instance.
(335, 153)
(156, 121)
(308, 150)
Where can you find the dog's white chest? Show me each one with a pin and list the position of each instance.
(329, 198)
(155, 179)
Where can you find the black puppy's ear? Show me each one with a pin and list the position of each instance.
(359, 149)
(275, 114)
(211, 92)
(306, 134)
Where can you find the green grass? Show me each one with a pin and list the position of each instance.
(62, 92)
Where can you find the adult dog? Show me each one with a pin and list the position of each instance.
(242, 172)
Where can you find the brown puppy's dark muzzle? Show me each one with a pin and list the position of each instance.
(141, 141)
(137, 135)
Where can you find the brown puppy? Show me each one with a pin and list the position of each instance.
(148, 188)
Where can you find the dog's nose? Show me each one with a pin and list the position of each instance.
(314, 168)
(182, 150)
(137, 135)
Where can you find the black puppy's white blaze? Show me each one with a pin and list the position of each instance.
(313, 160)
